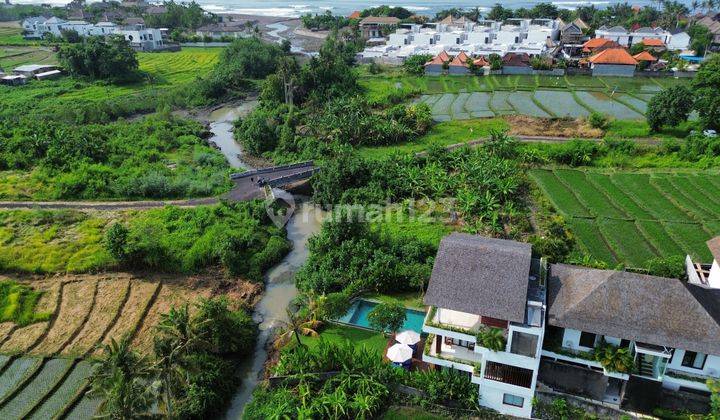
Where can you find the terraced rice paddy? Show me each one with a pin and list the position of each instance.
(540, 103)
(49, 389)
(629, 217)
(45, 371)
(464, 97)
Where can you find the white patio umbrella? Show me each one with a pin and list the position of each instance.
(399, 353)
(408, 337)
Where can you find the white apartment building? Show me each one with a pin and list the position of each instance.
(553, 319)
(629, 38)
(478, 284)
(140, 37)
(483, 37)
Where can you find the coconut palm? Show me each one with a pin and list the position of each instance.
(122, 379)
(295, 326)
(492, 338)
(177, 339)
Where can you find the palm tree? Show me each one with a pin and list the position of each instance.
(122, 380)
(297, 326)
(178, 339)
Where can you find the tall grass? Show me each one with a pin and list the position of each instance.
(18, 302)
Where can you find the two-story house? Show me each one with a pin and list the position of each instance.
(486, 317)
(671, 329)
(620, 338)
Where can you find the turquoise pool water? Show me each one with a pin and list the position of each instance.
(358, 315)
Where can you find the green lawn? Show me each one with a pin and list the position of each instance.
(441, 134)
(630, 217)
(341, 333)
(407, 299)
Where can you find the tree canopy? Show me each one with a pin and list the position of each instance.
(98, 58)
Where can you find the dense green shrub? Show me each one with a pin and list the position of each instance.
(575, 152)
(99, 58)
(598, 120)
(705, 87)
(415, 64)
(672, 267)
(150, 158)
(190, 239)
(387, 316)
(346, 256)
(669, 107)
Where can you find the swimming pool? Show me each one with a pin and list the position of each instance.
(358, 315)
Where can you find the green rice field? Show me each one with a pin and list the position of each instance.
(33, 388)
(628, 217)
(465, 97)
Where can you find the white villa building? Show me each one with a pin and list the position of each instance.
(552, 318)
(481, 283)
(140, 37)
(628, 38)
(531, 36)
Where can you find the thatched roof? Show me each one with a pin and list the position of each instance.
(654, 310)
(482, 276)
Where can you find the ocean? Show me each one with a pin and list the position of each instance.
(345, 7)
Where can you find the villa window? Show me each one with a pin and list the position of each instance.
(524, 344)
(461, 343)
(514, 400)
(694, 360)
(587, 339)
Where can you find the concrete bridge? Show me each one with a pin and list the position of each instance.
(253, 183)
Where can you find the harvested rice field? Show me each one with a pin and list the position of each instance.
(88, 311)
(629, 217)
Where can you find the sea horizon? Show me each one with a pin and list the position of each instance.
(294, 9)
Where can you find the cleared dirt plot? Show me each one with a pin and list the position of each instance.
(627, 240)
(141, 295)
(602, 103)
(478, 105)
(34, 391)
(592, 240)
(76, 302)
(5, 329)
(65, 393)
(457, 109)
(561, 103)
(21, 339)
(85, 408)
(523, 104)
(111, 295)
(630, 217)
(16, 373)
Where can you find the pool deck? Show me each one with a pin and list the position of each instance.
(417, 362)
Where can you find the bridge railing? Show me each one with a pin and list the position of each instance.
(261, 171)
(287, 179)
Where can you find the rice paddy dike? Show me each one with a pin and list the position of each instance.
(467, 97)
(628, 218)
(45, 366)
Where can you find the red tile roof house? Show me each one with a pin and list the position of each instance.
(613, 62)
(459, 65)
(596, 45)
(436, 66)
(654, 44)
(517, 63)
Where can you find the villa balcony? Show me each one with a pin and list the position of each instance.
(688, 379)
(454, 356)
